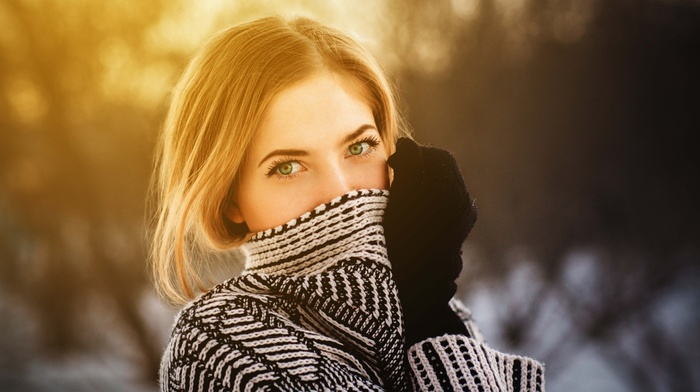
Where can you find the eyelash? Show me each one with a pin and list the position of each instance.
(274, 165)
(373, 143)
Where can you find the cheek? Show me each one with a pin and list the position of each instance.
(384, 177)
(264, 211)
(271, 204)
(377, 176)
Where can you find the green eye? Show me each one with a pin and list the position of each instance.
(285, 168)
(358, 148)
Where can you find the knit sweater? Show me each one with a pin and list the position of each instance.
(316, 309)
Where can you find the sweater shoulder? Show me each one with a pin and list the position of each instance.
(239, 337)
(224, 304)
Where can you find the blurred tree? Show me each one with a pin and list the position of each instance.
(74, 164)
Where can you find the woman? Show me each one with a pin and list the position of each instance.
(282, 138)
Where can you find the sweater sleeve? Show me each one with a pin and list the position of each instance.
(456, 362)
(466, 363)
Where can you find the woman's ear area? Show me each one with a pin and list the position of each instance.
(233, 213)
(234, 220)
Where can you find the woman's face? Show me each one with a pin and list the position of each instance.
(317, 141)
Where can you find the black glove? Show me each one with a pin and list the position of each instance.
(428, 217)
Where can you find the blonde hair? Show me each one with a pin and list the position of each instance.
(215, 110)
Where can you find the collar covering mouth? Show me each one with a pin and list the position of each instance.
(349, 226)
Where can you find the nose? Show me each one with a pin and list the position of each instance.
(338, 181)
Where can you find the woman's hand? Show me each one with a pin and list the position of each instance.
(428, 217)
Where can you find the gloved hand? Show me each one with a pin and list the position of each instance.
(428, 217)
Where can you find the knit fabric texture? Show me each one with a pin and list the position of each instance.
(316, 309)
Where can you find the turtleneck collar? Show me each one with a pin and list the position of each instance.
(349, 226)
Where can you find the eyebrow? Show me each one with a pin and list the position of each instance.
(300, 153)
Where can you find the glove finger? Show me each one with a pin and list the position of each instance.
(455, 210)
(407, 161)
(444, 178)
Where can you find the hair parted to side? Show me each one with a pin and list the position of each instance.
(215, 110)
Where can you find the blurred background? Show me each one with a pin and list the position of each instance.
(574, 122)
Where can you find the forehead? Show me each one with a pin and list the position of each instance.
(323, 107)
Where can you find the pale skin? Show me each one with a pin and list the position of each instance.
(318, 140)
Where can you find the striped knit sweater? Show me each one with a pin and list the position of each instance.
(316, 309)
